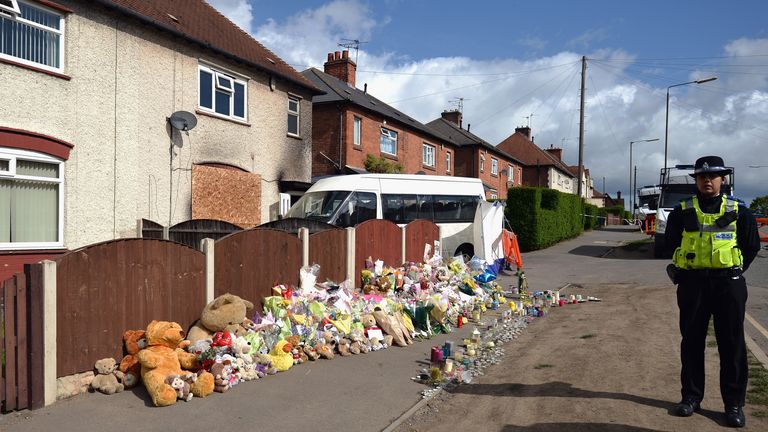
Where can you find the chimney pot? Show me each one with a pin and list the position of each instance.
(343, 69)
(330, 57)
(345, 54)
(336, 55)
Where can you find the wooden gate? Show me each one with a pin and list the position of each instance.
(21, 342)
(417, 234)
(378, 239)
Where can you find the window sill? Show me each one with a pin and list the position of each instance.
(494, 175)
(36, 69)
(290, 135)
(36, 250)
(357, 147)
(221, 117)
(389, 156)
(427, 167)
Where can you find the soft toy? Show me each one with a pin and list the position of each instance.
(181, 386)
(282, 359)
(343, 347)
(221, 373)
(135, 341)
(162, 357)
(241, 349)
(248, 371)
(225, 313)
(264, 365)
(311, 352)
(107, 379)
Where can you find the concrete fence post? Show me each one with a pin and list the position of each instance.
(304, 237)
(444, 253)
(351, 254)
(166, 233)
(49, 332)
(207, 246)
(402, 243)
(139, 228)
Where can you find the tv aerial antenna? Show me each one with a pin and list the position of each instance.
(352, 44)
(458, 102)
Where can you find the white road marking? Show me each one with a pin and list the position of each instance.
(757, 325)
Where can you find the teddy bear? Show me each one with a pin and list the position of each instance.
(248, 371)
(343, 346)
(241, 349)
(107, 377)
(135, 341)
(163, 357)
(359, 343)
(226, 312)
(221, 373)
(311, 352)
(264, 365)
(181, 386)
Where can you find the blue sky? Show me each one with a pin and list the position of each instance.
(511, 59)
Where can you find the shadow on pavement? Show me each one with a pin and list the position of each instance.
(576, 427)
(591, 251)
(564, 389)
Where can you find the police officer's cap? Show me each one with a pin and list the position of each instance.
(710, 164)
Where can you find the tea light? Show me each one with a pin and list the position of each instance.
(448, 366)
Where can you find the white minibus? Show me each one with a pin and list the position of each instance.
(450, 202)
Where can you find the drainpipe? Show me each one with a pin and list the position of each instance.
(341, 136)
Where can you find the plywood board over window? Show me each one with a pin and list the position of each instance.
(226, 193)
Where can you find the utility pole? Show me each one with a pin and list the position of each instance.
(581, 121)
(633, 194)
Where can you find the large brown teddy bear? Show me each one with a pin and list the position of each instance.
(225, 313)
(163, 357)
(135, 341)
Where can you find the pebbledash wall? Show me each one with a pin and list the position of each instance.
(121, 80)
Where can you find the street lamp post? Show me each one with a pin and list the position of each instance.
(631, 186)
(666, 122)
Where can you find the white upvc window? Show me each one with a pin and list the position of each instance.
(510, 173)
(293, 115)
(494, 194)
(388, 141)
(482, 163)
(447, 162)
(222, 94)
(32, 34)
(31, 200)
(428, 155)
(494, 166)
(358, 126)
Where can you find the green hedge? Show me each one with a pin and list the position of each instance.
(542, 217)
(591, 213)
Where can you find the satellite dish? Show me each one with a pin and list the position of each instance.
(183, 120)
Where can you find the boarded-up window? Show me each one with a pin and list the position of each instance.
(226, 193)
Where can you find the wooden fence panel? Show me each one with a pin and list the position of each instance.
(191, 232)
(417, 234)
(9, 315)
(329, 249)
(107, 288)
(249, 263)
(379, 239)
(151, 229)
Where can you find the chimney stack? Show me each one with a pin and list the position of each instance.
(340, 66)
(556, 152)
(453, 116)
(525, 130)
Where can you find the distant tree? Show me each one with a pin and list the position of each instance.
(381, 165)
(760, 205)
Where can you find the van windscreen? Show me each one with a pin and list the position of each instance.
(318, 205)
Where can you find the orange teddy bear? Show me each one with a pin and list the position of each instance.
(135, 341)
(163, 357)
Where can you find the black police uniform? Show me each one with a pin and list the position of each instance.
(718, 293)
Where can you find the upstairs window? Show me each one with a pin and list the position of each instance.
(358, 122)
(482, 163)
(293, 115)
(388, 142)
(222, 94)
(30, 200)
(494, 166)
(428, 155)
(448, 162)
(32, 35)
(511, 174)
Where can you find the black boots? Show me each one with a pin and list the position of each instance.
(734, 416)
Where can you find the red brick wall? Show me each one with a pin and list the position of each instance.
(469, 166)
(13, 262)
(409, 144)
(325, 139)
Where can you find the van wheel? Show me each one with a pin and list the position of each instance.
(467, 251)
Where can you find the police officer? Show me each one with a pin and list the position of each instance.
(715, 239)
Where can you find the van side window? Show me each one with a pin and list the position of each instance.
(360, 208)
(404, 208)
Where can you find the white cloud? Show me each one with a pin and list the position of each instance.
(724, 117)
(238, 11)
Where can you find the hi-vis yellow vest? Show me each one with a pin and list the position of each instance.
(712, 247)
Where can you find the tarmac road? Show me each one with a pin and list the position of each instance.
(370, 392)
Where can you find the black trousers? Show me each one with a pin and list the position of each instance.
(724, 299)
